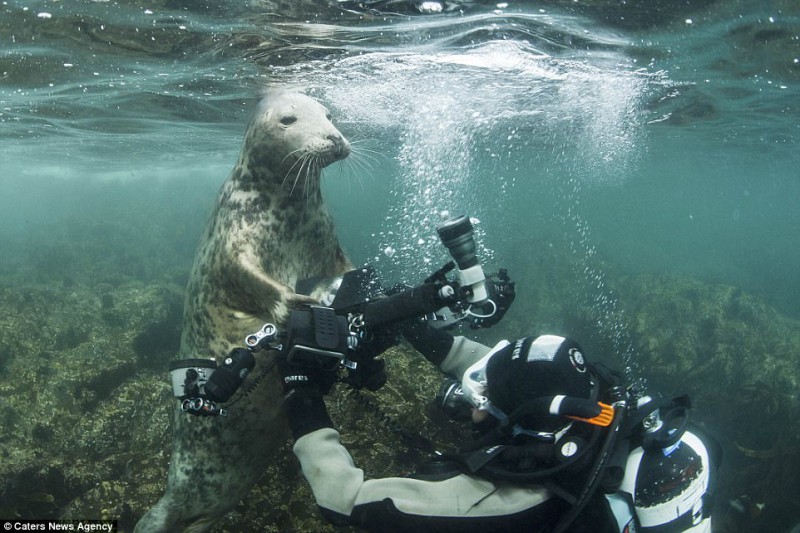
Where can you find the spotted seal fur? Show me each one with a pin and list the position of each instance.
(269, 229)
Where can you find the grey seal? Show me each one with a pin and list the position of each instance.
(269, 229)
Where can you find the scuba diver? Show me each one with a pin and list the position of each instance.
(557, 445)
(557, 448)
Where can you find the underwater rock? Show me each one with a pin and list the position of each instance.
(107, 301)
(85, 431)
(692, 334)
(93, 421)
(32, 489)
(738, 359)
(107, 500)
(69, 338)
(72, 406)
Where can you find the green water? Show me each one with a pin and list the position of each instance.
(635, 167)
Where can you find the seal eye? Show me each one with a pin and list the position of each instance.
(288, 120)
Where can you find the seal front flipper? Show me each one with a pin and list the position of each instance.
(298, 301)
(266, 295)
(320, 289)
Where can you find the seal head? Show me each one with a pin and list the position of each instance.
(287, 140)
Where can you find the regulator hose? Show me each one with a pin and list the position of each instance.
(596, 474)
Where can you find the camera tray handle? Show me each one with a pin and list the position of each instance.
(326, 330)
(314, 332)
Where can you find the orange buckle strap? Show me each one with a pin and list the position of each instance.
(603, 419)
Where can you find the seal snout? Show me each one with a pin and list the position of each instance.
(340, 146)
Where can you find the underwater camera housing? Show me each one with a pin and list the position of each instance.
(200, 383)
(189, 376)
(353, 330)
(482, 300)
(457, 236)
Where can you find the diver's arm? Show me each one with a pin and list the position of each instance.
(434, 344)
(463, 353)
(453, 355)
(346, 498)
(407, 504)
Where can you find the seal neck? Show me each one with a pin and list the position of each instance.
(296, 186)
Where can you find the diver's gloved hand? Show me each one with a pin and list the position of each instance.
(370, 372)
(303, 388)
(502, 292)
(294, 376)
(375, 342)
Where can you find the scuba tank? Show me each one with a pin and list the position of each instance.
(668, 479)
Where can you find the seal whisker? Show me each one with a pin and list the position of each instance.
(365, 157)
(355, 167)
(361, 141)
(305, 159)
(314, 168)
(341, 170)
(291, 153)
(360, 166)
(364, 149)
(366, 160)
(299, 166)
(309, 163)
(289, 172)
(299, 159)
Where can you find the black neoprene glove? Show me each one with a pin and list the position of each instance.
(303, 401)
(370, 372)
(501, 291)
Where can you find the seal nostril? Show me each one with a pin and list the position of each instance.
(338, 143)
